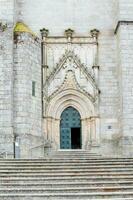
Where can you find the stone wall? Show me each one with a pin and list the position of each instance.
(125, 11)
(108, 86)
(6, 76)
(125, 49)
(124, 38)
(27, 108)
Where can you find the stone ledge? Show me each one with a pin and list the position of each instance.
(122, 22)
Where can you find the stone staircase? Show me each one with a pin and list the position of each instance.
(67, 175)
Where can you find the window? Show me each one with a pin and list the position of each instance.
(33, 88)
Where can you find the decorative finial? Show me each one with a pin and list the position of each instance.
(69, 32)
(44, 32)
(3, 27)
(94, 33)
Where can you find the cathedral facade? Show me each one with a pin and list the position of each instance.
(66, 77)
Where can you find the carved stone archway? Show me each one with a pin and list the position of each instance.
(81, 102)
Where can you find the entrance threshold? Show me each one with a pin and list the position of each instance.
(71, 150)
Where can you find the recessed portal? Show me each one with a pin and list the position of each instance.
(70, 129)
(75, 138)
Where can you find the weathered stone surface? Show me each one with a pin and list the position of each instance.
(6, 77)
(102, 77)
(27, 108)
(67, 175)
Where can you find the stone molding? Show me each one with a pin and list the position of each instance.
(91, 38)
(122, 22)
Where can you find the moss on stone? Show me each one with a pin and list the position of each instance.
(21, 27)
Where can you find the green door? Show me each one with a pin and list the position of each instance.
(70, 120)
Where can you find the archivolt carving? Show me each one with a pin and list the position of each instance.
(70, 94)
(73, 98)
(70, 83)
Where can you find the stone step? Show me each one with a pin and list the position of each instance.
(67, 167)
(65, 170)
(66, 184)
(70, 162)
(69, 156)
(72, 174)
(69, 190)
(69, 172)
(66, 178)
(92, 195)
(74, 153)
(66, 158)
(52, 180)
(38, 197)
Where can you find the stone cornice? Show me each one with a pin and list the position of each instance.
(121, 22)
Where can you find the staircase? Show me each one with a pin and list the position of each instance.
(67, 175)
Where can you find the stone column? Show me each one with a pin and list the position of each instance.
(44, 33)
(94, 128)
(95, 67)
(86, 131)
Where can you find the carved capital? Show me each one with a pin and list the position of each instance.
(44, 32)
(69, 33)
(45, 66)
(3, 27)
(95, 67)
(94, 33)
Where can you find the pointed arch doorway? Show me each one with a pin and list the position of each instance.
(70, 129)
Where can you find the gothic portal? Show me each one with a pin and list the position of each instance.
(70, 91)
